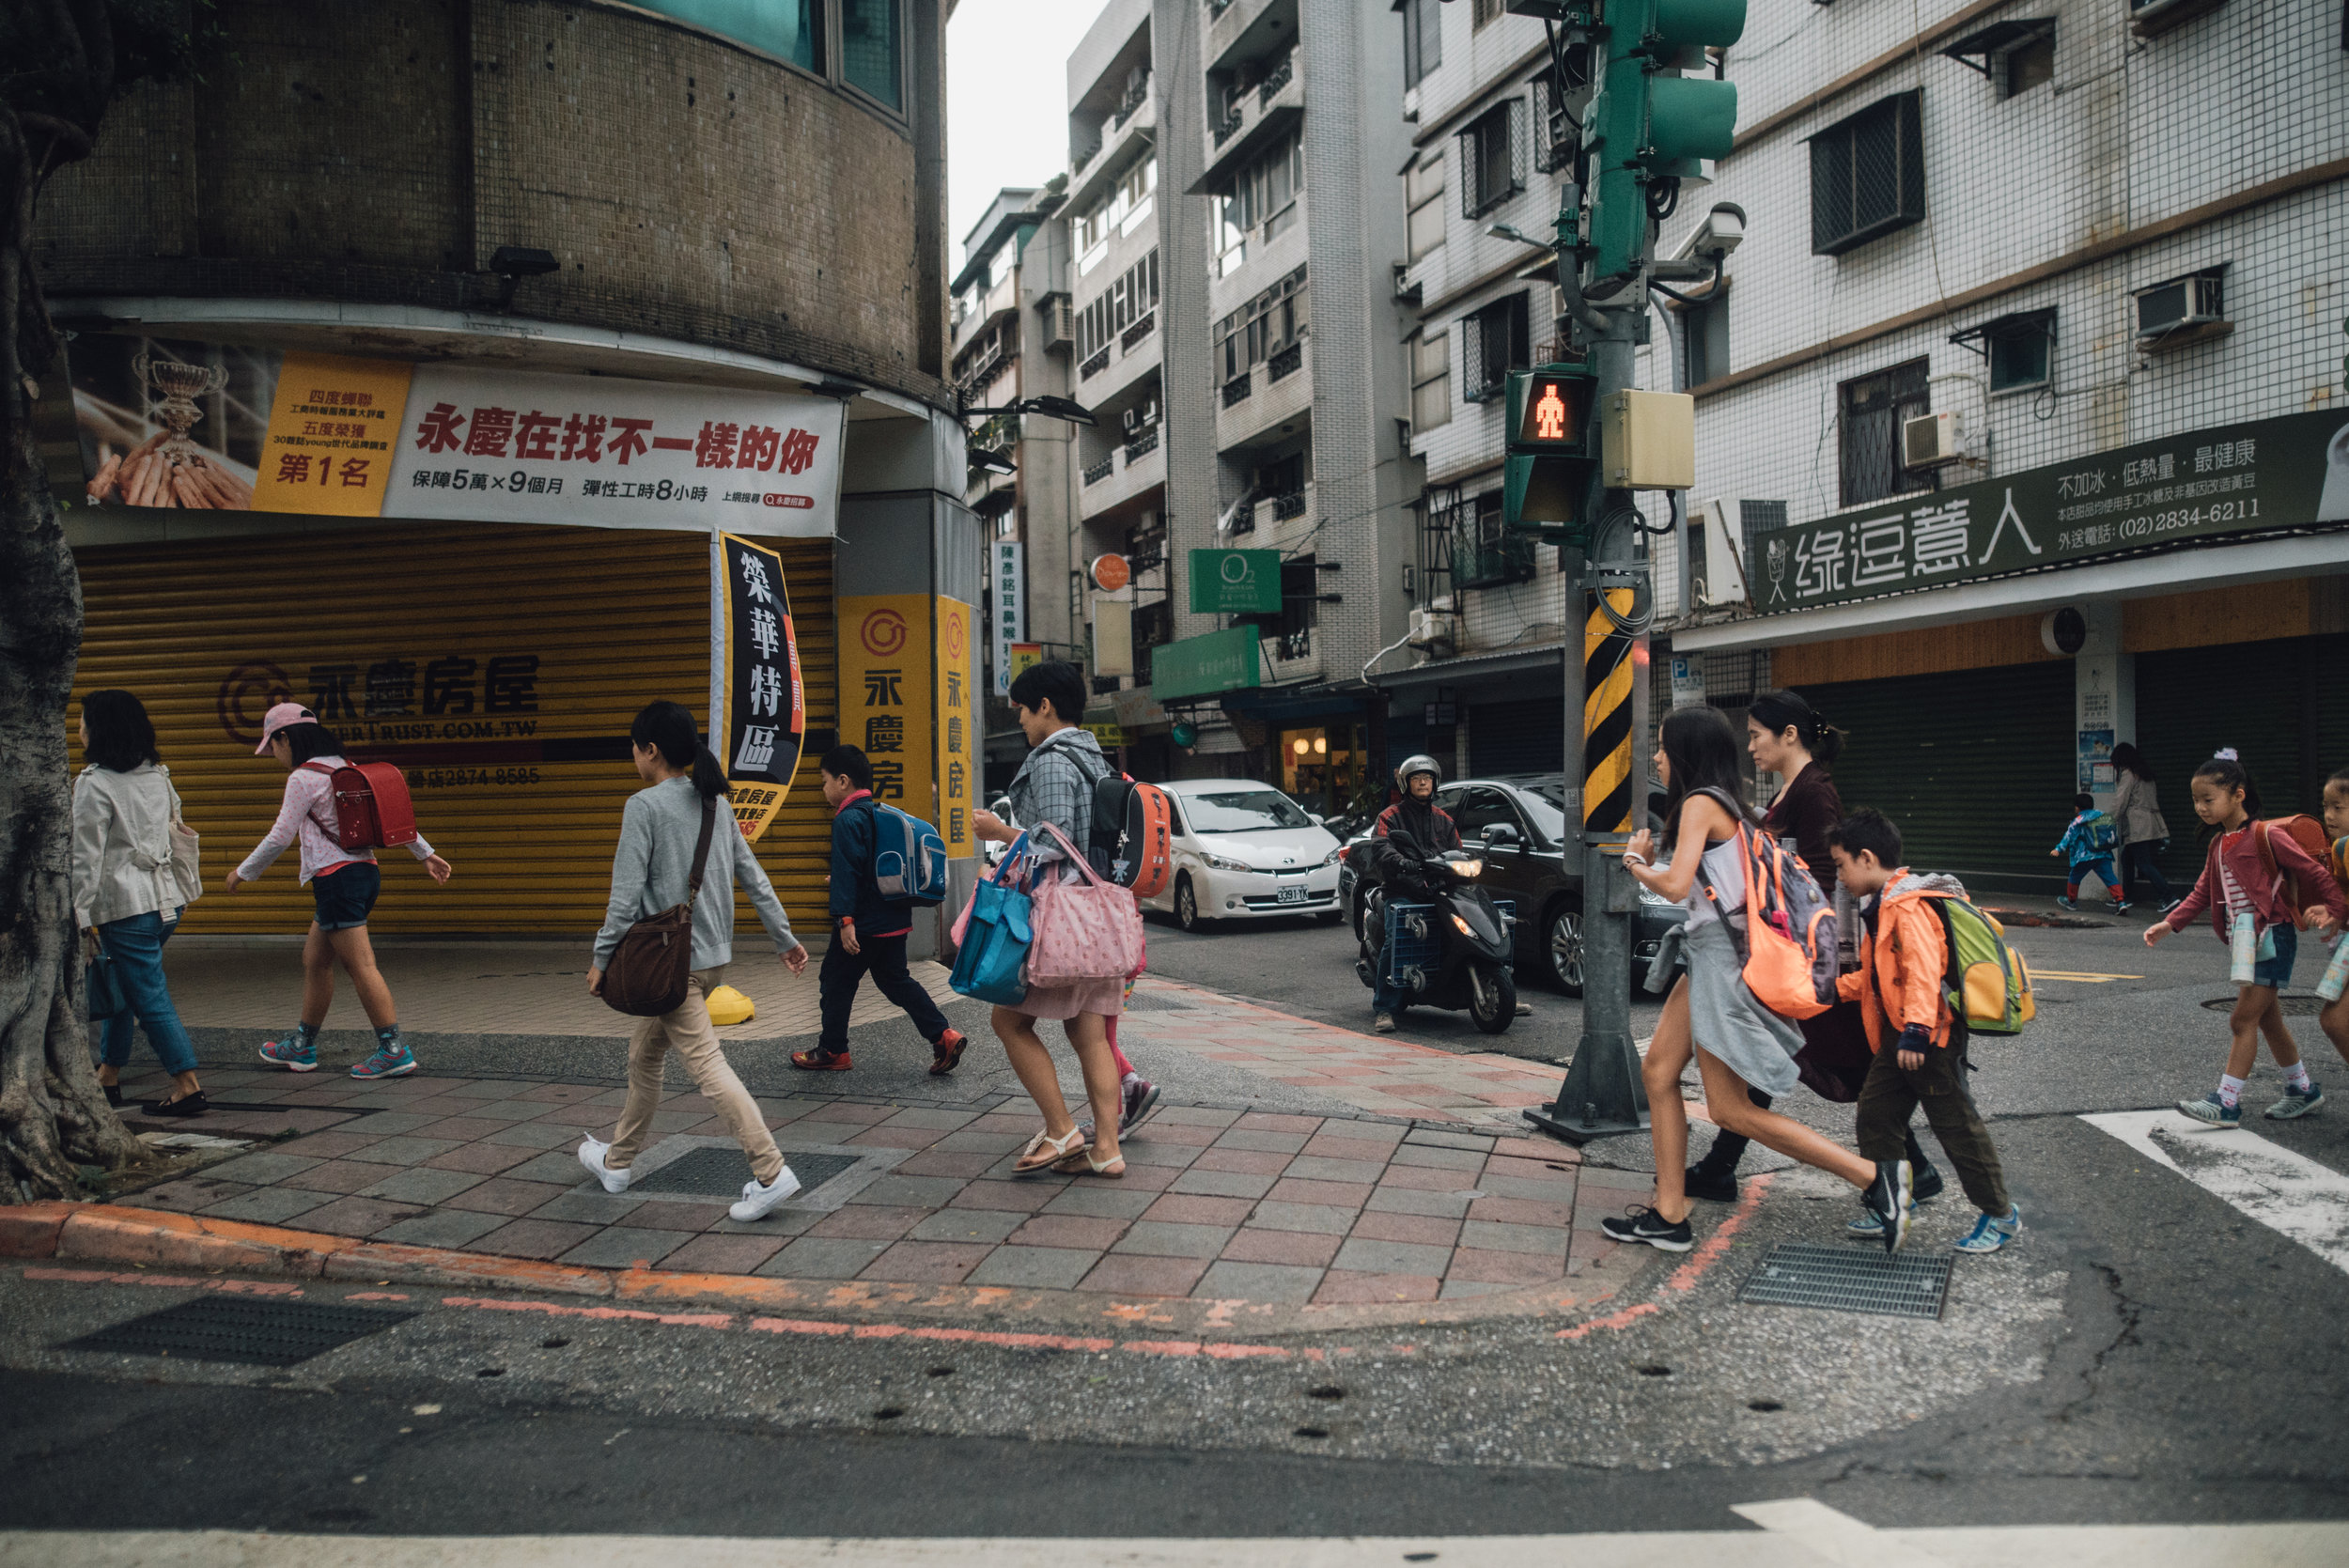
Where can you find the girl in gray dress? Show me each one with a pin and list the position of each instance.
(1739, 1045)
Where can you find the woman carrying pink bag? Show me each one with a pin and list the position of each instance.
(1052, 795)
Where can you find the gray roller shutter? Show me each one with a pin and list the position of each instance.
(1517, 737)
(1976, 767)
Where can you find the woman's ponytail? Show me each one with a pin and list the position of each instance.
(668, 728)
(709, 775)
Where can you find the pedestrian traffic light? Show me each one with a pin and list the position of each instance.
(1551, 448)
(1651, 123)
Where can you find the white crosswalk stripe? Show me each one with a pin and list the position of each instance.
(2287, 1192)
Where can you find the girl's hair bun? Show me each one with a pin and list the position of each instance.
(2226, 754)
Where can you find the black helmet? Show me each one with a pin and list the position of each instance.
(1418, 763)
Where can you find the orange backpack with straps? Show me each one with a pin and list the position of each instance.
(2308, 834)
(1788, 926)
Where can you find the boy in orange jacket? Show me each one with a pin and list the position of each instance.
(1919, 1045)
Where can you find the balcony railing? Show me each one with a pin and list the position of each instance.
(1278, 79)
(1226, 129)
(1236, 390)
(1140, 330)
(1142, 445)
(1244, 522)
(1291, 644)
(1288, 506)
(1101, 469)
(1093, 366)
(1287, 361)
(1079, 156)
(1134, 100)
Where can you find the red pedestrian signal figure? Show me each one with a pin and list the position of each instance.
(1549, 414)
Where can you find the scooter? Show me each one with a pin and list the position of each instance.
(1455, 953)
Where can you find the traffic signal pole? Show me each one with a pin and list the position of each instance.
(1646, 129)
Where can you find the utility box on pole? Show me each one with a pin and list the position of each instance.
(1649, 440)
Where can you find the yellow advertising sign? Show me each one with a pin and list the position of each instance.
(886, 694)
(332, 427)
(958, 739)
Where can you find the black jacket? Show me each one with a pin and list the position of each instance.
(1408, 833)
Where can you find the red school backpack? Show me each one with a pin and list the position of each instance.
(2308, 834)
(373, 810)
(1787, 926)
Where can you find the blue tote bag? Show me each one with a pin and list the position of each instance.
(992, 949)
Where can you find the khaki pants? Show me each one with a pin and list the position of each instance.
(687, 1030)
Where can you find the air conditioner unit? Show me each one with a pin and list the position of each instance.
(2182, 310)
(1430, 628)
(1723, 577)
(1060, 322)
(1936, 438)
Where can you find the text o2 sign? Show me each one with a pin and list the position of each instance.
(1112, 572)
(1234, 570)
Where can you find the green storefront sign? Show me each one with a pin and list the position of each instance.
(1234, 582)
(2261, 477)
(1203, 666)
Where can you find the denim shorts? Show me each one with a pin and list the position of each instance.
(345, 895)
(2277, 971)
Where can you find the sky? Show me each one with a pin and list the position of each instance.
(1006, 100)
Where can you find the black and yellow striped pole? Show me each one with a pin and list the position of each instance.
(1607, 727)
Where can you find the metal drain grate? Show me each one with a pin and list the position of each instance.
(261, 1333)
(1848, 1280)
(720, 1172)
(1145, 1002)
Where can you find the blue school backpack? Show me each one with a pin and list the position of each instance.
(908, 858)
(2100, 832)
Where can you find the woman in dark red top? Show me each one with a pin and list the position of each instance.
(1786, 737)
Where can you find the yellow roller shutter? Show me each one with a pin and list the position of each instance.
(499, 665)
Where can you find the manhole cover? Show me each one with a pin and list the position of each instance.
(720, 1172)
(261, 1333)
(1848, 1280)
(2297, 1006)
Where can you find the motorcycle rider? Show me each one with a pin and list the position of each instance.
(1412, 831)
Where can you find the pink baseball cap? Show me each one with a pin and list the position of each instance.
(283, 716)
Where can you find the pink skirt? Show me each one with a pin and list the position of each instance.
(1066, 1002)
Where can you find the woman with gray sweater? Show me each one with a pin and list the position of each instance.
(660, 828)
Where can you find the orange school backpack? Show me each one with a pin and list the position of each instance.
(1787, 926)
(2308, 834)
(372, 808)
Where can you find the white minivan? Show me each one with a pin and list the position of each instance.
(1244, 850)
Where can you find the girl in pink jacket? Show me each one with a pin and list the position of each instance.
(2245, 885)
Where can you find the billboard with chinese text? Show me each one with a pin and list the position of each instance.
(173, 424)
(2262, 476)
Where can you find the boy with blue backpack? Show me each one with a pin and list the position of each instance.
(881, 867)
(2086, 845)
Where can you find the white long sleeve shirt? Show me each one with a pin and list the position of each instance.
(308, 815)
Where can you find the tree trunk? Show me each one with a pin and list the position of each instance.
(53, 1116)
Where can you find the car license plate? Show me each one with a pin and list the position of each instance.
(1294, 894)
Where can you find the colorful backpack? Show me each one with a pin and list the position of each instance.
(2308, 834)
(1788, 926)
(1132, 841)
(372, 809)
(2101, 834)
(1987, 984)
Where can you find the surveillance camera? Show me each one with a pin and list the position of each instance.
(1719, 234)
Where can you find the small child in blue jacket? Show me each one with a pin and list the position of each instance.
(868, 932)
(2088, 844)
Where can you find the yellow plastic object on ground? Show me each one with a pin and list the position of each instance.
(730, 1007)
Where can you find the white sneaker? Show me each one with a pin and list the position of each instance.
(760, 1202)
(591, 1155)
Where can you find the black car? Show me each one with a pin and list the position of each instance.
(1532, 871)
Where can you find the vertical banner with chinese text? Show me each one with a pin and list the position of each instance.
(957, 710)
(885, 694)
(758, 705)
(1009, 587)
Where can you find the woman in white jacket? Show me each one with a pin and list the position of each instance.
(124, 892)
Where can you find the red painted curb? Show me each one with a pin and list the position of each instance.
(30, 1230)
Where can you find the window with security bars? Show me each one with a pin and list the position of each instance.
(1870, 411)
(1493, 342)
(1555, 128)
(1868, 175)
(1754, 519)
(1493, 158)
(1485, 553)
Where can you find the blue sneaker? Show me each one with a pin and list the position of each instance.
(390, 1062)
(295, 1055)
(1990, 1233)
(2065, 903)
(2207, 1108)
(2296, 1102)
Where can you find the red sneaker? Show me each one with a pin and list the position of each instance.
(947, 1052)
(821, 1060)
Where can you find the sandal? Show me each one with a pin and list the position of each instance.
(1082, 1163)
(1035, 1156)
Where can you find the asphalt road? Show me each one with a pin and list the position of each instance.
(2148, 1352)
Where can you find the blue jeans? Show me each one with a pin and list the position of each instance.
(136, 947)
